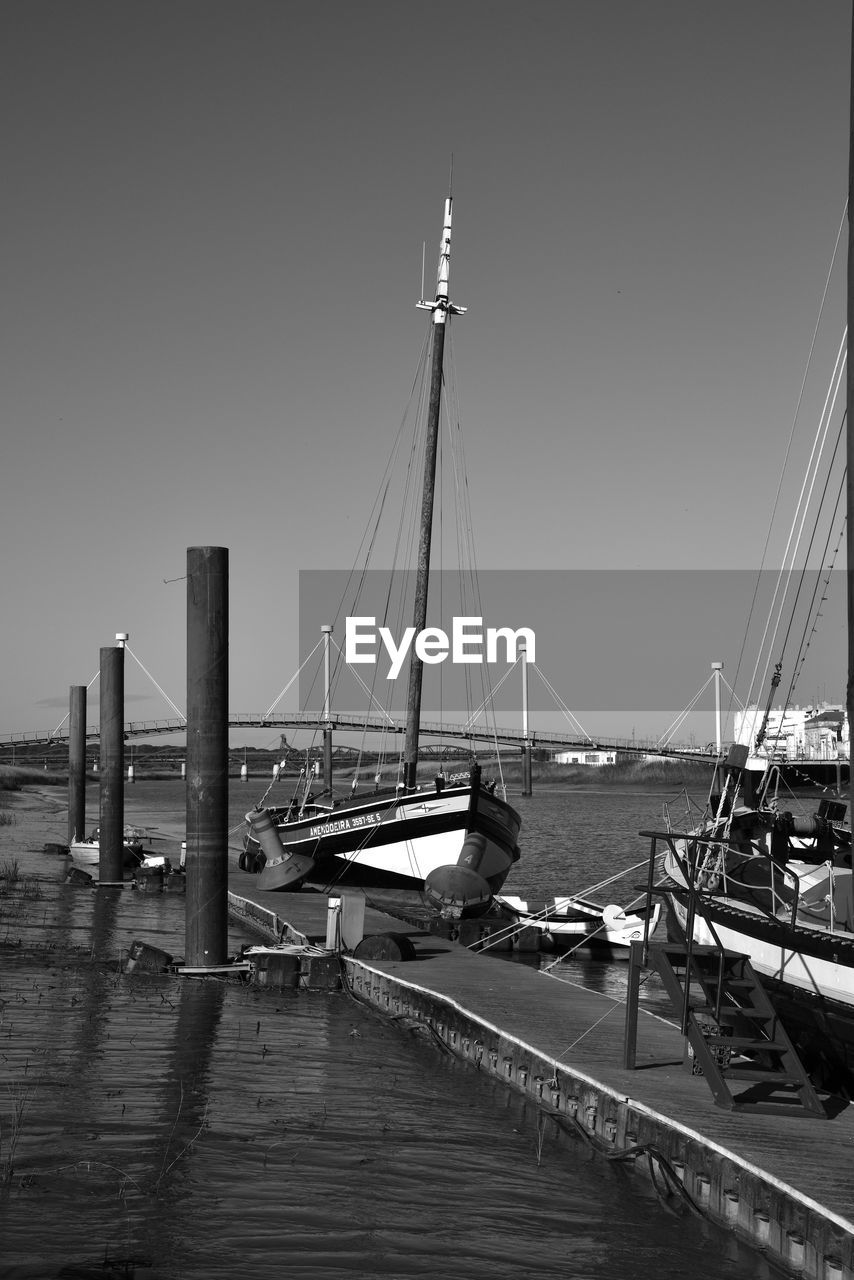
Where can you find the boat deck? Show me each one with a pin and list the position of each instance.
(787, 1183)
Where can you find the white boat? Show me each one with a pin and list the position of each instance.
(754, 879)
(572, 921)
(754, 876)
(454, 842)
(87, 852)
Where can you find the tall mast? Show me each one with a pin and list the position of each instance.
(441, 308)
(849, 484)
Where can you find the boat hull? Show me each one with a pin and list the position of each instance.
(397, 841)
(87, 853)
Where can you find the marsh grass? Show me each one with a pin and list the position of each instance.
(13, 883)
(662, 774)
(15, 776)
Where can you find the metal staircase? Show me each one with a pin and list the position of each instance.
(737, 1039)
(735, 1035)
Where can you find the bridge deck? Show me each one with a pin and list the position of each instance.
(373, 725)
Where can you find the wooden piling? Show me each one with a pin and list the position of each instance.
(527, 770)
(207, 757)
(111, 776)
(77, 762)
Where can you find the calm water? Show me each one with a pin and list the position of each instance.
(197, 1128)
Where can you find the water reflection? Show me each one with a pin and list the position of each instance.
(208, 1129)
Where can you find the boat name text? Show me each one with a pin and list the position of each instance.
(346, 824)
(432, 645)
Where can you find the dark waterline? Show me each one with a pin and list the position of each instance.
(211, 1129)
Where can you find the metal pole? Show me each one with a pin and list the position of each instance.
(849, 432)
(207, 757)
(413, 704)
(111, 775)
(77, 762)
(527, 786)
(717, 667)
(440, 307)
(327, 705)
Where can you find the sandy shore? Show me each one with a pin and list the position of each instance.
(39, 816)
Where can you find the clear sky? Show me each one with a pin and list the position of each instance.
(213, 218)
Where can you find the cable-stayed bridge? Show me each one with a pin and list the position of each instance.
(374, 725)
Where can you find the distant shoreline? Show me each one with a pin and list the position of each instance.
(546, 775)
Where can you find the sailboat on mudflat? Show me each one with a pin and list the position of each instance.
(453, 840)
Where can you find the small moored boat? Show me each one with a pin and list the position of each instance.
(87, 852)
(568, 922)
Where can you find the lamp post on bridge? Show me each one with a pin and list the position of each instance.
(527, 784)
(717, 668)
(327, 722)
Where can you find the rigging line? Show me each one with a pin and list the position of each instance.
(787, 568)
(806, 373)
(812, 465)
(406, 520)
(465, 526)
(813, 533)
(827, 580)
(569, 715)
(472, 720)
(804, 642)
(616, 1005)
(668, 733)
(603, 884)
(452, 420)
(374, 700)
(379, 508)
(294, 677)
(176, 709)
(813, 468)
(467, 586)
(733, 695)
(68, 712)
(382, 493)
(795, 417)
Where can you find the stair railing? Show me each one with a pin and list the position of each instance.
(695, 903)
